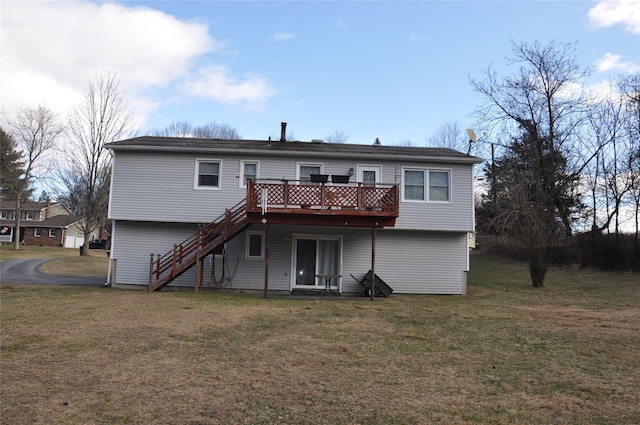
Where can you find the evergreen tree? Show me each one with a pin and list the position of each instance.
(12, 173)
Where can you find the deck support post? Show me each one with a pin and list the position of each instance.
(373, 263)
(150, 272)
(267, 253)
(199, 262)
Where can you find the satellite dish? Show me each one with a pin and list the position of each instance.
(472, 135)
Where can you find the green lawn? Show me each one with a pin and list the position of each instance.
(507, 353)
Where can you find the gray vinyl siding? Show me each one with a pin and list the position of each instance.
(160, 187)
(410, 262)
(456, 215)
(133, 242)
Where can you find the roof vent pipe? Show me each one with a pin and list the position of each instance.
(283, 131)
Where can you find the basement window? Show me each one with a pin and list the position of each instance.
(255, 246)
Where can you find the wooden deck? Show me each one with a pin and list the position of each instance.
(322, 204)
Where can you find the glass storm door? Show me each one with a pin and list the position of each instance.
(316, 257)
(369, 173)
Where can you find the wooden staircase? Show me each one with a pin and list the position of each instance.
(164, 269)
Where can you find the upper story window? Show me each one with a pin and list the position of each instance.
(426, 185)
(208, 173)
(439, 184)
(8, 215)
(249, 170)
(305, 169)
(28, 215)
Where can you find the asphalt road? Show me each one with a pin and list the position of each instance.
(27, 271)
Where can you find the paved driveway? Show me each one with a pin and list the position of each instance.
(26, 271)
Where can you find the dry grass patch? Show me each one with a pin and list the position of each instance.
(505, 354)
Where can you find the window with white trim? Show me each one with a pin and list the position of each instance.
(304, 171)
(425, 185)
(37, 232)
(28, 215)
(249, 170)
(414, 181)
(254, 245)
(207, 175)
(53, 232)
(439, 186)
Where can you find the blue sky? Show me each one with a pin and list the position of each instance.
(393, 70)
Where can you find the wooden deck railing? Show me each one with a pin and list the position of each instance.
(165, 268)
(365, 198)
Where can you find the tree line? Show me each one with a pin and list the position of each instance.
(565, 161)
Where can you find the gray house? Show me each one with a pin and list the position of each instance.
(289, 216)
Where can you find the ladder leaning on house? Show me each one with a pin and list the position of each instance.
(165, 268)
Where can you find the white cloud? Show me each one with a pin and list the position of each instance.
(613, 12)
(283, 36)
(215, 82)
(50, 50)
(611, 61)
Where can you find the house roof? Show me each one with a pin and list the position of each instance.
(58, 221)
(267, 147)
(25, 205)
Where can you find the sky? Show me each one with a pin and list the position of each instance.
(397, 71)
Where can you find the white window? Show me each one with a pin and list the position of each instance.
(53, 232)
(249, 170)
(255, 245)
(414, 181)
(27, 215)
(439, 186)
(305, 170)
(37, 232)
(426, 185)
(207, 175)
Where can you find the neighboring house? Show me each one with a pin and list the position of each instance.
(41, 224)
(270, 222)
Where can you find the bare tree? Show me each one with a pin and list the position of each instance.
(176, 128)
(101, 117)
(605, 125)
(449, 135)
(338, 136)
(214, 130)
(630, 91)
(541, 105)
(35, 131)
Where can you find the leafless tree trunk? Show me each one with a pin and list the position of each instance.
(101, 117)
(35, 131)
